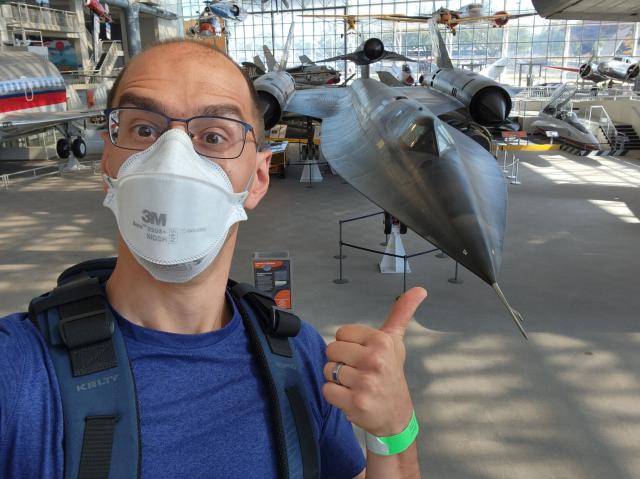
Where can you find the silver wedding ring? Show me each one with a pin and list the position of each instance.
(335, 373)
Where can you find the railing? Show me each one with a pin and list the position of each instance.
(44, 171)
(604, 121)
(545, 93)
(32, 16)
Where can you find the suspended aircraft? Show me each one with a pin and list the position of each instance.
(619, 68)
(443, 16)
(33, 98)
(220, 9)
(391, 146)
(101, 10)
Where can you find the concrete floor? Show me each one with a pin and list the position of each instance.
(564, 405)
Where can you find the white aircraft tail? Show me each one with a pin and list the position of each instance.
(285, 54)
(440, 53)
(268, 56)
(494, 70)
(258, 62)
(305, 60)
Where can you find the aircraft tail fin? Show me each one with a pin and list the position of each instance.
(494, 70)
(440, 53)
(258, 62)
(285, 54)
(515, 315)
(268, 56)
(305, 60)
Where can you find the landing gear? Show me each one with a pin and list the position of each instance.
(390, 221)
(62, 148)
(79, 148)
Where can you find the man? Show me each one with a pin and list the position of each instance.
(185, 130)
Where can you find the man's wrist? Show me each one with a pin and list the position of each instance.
(396, 444)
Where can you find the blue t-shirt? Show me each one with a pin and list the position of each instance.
(204, 410)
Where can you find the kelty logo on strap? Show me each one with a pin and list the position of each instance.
(97, 383)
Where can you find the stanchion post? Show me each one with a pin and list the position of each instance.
(455, 279)
(517, 170)
(404, 275)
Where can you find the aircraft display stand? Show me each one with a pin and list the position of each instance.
(311, 171)
(393, 260)
(404, 258)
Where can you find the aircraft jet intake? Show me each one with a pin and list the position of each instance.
(274, 90)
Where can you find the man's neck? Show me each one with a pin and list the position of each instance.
(198, 306)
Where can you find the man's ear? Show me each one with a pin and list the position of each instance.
(104, 161)
(260, 183)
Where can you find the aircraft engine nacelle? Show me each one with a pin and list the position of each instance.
(274, 91)
(487, 101)
(373, 49)
(501, 22)
(619, 70)
(589, 72)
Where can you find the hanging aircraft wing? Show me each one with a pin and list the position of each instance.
(617, 11)
(349, 56)
(391, 56)
(18, 124)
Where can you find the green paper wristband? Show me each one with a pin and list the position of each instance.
(391, 445)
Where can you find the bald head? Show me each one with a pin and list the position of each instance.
(193, 69)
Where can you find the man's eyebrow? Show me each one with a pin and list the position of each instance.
(129, 99)
(228, 109)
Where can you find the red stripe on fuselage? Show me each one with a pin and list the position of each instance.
(20, 102)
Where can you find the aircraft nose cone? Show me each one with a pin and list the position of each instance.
(373, 48)
(464, 213)
(490, 106)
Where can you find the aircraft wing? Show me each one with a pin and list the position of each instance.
(395, 57)
(437, 102)
(349, 56)
(567, 69)
(392, 17)
(18, 124)
(388, 79)
(317, 102)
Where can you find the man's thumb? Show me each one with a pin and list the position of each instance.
(403, 310)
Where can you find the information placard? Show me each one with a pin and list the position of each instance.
(272, 275)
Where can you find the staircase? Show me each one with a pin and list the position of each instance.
(631, 141)
(22, 17)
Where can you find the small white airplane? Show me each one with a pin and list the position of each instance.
(33, 98)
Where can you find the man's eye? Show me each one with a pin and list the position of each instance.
(145, 131)
(214, 138)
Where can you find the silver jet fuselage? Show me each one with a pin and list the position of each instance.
(436, 180)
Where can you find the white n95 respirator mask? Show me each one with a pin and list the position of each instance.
(174, 207)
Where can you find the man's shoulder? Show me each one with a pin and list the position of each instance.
(20, 344)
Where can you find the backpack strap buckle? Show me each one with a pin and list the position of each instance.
(283, 323)
(84, 329)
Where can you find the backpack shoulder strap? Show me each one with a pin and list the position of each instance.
(101, 426)
(270, 331)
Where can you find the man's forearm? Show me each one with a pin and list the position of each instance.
(399, 466)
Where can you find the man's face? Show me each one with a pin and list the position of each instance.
(182, 81)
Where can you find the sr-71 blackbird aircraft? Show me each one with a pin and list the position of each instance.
(390, 145)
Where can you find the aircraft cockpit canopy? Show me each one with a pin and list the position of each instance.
(426, 135)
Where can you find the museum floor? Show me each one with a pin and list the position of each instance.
(566, 404)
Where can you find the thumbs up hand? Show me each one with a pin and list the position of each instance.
(365, 370)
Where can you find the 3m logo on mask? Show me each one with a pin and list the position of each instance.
(151, 217)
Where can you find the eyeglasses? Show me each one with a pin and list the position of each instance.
(212, 136)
